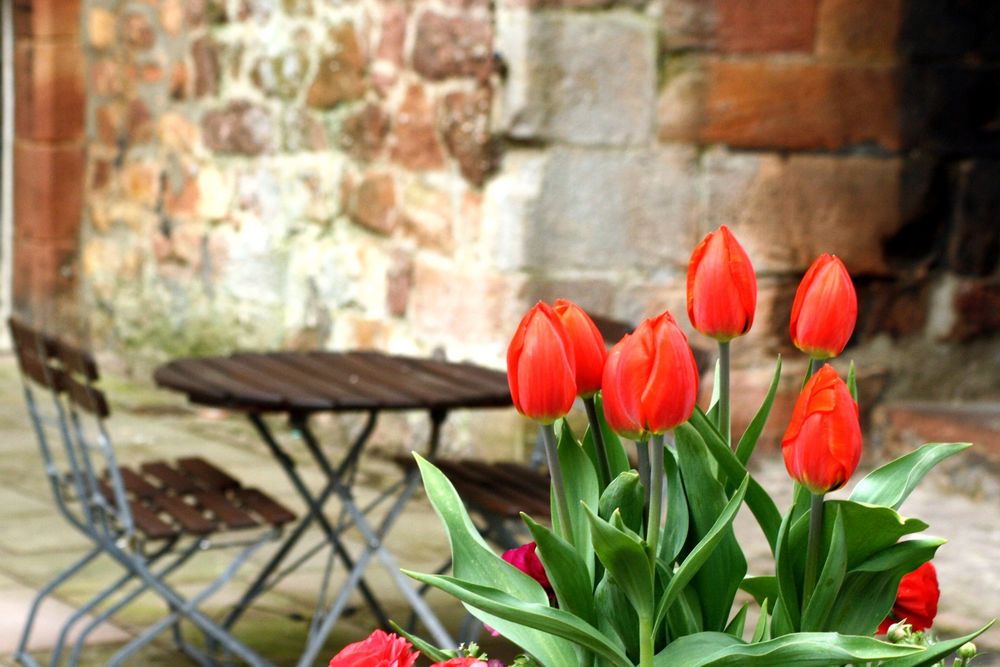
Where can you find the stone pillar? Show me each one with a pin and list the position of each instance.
(48, 158)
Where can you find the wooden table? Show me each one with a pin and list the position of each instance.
(300, 384)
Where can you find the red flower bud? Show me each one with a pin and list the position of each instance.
(825, 309)
(650, 380)
(721, 287)
(380, 649)
(916, 601)
(540, 367)
(589, 351)
(526, 560)
(822, 445)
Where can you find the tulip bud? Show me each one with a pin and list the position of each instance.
(589, 351)
(825, 309)
(967, 651)
(916, 600)
(540, 369)
(721, 287)
(822, 445)
(651, 380)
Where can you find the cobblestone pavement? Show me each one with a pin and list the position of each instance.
(35, 542)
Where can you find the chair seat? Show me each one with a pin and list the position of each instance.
(192, 496)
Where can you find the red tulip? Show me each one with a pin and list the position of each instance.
(825, 309)
(589, 351)
(650, 380)
(540, 367)
(380, 649)
(526, 560)
(721, 287)
(916, 601)
(822, 445)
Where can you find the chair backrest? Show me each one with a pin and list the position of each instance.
(70, 375)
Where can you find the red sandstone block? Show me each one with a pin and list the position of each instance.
(858, 29)
(43, 272)
(49, 95)
(46, 18)
(801, 106)
(766, 25)
(48, 189)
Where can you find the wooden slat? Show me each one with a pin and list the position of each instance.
(86, 397)
(487, 486)
(362, 391)
(75, 359)
(136, 484)
(391, 375)
(307, 378)
(170, 478)
(200, 375)
(189, 518)
(266, 507)
(207, 474)
(146, 520)
(442, 386)
(224, 510)
(293, 395)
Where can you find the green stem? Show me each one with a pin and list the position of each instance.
(724, 419)
(643, 455)
(655, 496)
(603, 465)
(813, 554)
(810, 369)
(555, 472)
(646, 641)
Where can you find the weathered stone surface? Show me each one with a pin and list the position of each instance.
(137, 32)
(139, 124)
(464, 119)
(108, 119)
(341, 75)
(239, 127)
(951, 107)
(766, 25)
(302, 131)
(101, 28)
(452, 46)
(49, 91)
(801, 106)
(580, 78)
(858, 29)
(393, 39)
(594, 209)
(787, 211)
(47, 19)
(414, 139)
(177, 132)
(363, 134)
(373, 203)
(933, 30)
(974, 246)
(688, 24)
(680, 107)
(896, 307)
(428, 215)
(172, 16)
(179, 80)
(205, 56)
(977, 310)
(399, 283)
(48, 190)
(141, 182)
(202, 12)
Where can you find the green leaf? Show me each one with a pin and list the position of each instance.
(701, 553)
(829, 582)
(938, 651)
(760, 503)
(566, 571)
(675, 530)
(625, 557)
(788, 590)
(617, 457)
(553, 622)
(580, 480)
(426, 648)
(750, 437)
(805, 649)
(475, 562)
(719, 578)
(760, 632)
(616, 617)
(908, 555)
(713, 402)
(761, 588)
(739, 622)
(890, 484)
(684, 615)
(852, 381)
(625, 494)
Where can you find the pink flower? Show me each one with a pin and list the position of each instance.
(524, 559)
(380, 649)
(461, 662)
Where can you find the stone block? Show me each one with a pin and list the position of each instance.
(680, 106)
(363, 134)
(464, 121)
(974, 246)
(399, 283)
(205, 58)
(44, 273)
(139, 123)
(373, 203)
(597, 210)
(340, 76)
(137, 31)
(895, 307)
(414, 139)
(46, 18)
(758, 26)
(429, 215)
(858, 29)
(446, 46)
(48, 190)
(393, 37)
(951, 107)
(801, 105)
(787, 211)
(239, 127)
(50, 91)
(586, 79)
(102, 28)
(688, 24)
(977, 310)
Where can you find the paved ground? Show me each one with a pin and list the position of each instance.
(35, 542)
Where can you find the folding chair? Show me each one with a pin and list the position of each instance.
(150, 519)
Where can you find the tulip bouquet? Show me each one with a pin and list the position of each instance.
(641, 565)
